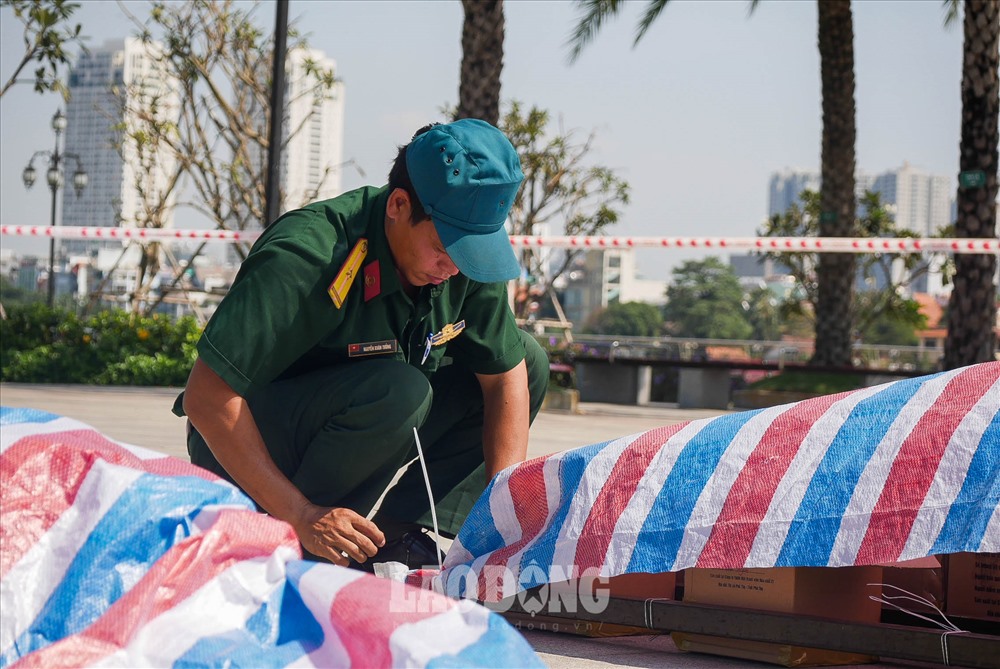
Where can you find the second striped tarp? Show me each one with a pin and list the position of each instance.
(887, 473)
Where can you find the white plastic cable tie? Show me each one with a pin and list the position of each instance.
(647, 609)
(430, 497)
(948, 626)
(944, 646)
(907, 596)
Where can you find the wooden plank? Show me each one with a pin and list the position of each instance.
(977, 651)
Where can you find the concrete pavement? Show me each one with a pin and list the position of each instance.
(142, 416)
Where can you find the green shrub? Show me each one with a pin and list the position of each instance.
(146, 370)
(43, 345)
(810, 382)
(561, 356)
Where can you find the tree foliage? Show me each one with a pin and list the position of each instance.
(48, 32)
(595, 13)
(561, 189)
(894, 272)
(11, 293)
(834, 292)
(630, 319)
(764, 314)
(220, 60)
(705, 300)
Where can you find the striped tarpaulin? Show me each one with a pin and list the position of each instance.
(112, 555)
(883, 474)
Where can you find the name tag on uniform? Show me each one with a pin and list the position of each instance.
(372, 348)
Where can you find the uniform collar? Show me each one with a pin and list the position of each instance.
(379, 250)
(378, 245)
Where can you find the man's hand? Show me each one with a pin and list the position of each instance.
(332, 532)
(224, 420)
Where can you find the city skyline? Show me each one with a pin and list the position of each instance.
(918, 201)
(106, 86)
(696, 117)
(313, 129)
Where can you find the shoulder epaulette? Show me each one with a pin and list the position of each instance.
(348, 271)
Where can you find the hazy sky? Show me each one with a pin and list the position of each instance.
(695, 118)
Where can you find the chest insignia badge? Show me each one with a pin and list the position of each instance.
(348, 272)
(373, 280)
(447, 333)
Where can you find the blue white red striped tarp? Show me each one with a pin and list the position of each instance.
(112, 555)
(883, 474)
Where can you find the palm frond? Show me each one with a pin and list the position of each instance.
(653, 10)
(952, 11)
(593, 14)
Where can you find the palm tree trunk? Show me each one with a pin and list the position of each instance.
(835, 272)
(972, 308)
(482, 60)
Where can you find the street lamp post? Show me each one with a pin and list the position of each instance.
(54, 176)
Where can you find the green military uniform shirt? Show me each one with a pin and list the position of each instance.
(281, 317)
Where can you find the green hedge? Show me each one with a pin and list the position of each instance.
(810, 382)
(39, 344)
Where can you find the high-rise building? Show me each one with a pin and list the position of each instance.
(598, 278)
(312, 133)
(313, 129)
(918, 201)
(108, 85)
(786, 187)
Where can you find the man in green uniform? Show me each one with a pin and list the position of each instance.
(353, 321)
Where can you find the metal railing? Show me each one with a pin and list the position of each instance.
(692, 350)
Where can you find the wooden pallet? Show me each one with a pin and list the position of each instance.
(888, 641)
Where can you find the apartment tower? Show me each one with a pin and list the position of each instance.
(108, 87)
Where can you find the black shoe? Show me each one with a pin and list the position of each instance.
(414, 548)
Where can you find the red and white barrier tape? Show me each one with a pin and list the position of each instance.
(143, 234)
(803, 244)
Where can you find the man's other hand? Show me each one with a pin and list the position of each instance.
(339, 535)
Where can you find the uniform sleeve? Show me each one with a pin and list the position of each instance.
(277, 309)
(490, 343)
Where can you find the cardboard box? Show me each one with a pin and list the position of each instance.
(923, 577)
(626, 586)
(644, 586)
(841, 594)
(974, 586)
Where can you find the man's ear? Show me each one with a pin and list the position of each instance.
(398, 206)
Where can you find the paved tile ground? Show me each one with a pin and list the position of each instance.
(142, 416)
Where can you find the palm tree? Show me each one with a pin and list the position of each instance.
(972, 307)
(482, 60)
(835, 272)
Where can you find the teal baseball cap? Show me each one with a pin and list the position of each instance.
(466, 175)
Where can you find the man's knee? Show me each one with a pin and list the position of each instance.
(400, 393)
